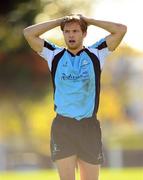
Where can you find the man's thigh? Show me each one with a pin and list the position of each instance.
(90, 144)
(88, 171)
(62, 142)
(66, 168)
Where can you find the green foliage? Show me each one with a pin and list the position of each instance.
(15, 16)
(131, 141)
(111, 174)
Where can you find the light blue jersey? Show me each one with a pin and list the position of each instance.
(76, 78)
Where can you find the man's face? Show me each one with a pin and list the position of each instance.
(73, 35)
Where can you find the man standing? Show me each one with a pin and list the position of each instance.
(75, 70)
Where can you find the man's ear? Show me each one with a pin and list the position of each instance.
(84, 34)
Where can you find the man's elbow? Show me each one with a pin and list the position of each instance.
(123, 29)
(26, 33)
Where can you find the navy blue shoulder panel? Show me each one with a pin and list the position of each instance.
(48, 45)
(102, 45)
(97, 70)
(54, 66)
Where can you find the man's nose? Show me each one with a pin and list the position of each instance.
(71, 34)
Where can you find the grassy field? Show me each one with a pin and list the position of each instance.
(106, 174)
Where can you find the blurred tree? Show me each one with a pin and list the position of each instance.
(57, 8)
(15, 15)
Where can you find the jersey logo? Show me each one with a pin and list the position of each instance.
(65, 64)
(84, 62)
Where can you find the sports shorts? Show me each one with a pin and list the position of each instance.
(72, 137)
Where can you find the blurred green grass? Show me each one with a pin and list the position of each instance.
(106, 174)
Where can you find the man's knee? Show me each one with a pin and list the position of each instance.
(66, 177)
(66, 168)
(67, 174)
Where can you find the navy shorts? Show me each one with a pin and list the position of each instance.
(72, 137)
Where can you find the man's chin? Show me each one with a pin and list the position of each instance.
(72, 47)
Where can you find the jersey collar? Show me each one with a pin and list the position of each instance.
(77, 54)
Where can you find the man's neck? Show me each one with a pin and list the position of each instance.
(75, 51)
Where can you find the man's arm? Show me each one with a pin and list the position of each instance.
(117, 31)
(33, 32)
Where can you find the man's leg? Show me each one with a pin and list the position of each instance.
(88, 171)
(66, 168)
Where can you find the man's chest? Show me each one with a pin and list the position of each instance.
(75, 69)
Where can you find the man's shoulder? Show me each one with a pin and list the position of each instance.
(51, 46)
(99, 45)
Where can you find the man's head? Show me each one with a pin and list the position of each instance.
(75, 19)
(74, 30)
